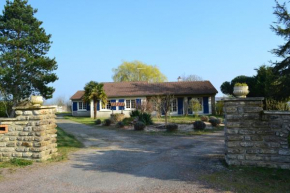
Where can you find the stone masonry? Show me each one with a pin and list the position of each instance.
(31, 135)
(254, 137)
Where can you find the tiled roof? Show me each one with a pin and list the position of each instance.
(130, 89)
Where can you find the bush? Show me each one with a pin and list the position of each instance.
(128, 120)
(199, 125)
(215, 122)
(98, 121)
(117, 117)
(120, 124)
(107, 122)
(171, 127)
(146, 118)
(135, 113)
(271, 104)
(204, 118)
(139, 126)
(219, 108)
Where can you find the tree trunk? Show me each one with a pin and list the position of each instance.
(166, 119)
(95, 109)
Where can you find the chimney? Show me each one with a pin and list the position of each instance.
(179, 79)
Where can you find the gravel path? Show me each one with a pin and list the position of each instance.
(119, 161)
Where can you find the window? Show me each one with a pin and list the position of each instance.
(108, 106)
(82, 106)
(131, 104)
(128, 106)
(174, 106)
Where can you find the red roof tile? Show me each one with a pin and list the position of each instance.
(130, 89)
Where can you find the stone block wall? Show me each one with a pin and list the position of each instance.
(254, 137)
(31, 135)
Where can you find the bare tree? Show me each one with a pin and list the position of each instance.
(191, 78)
(156, 105)
(145, 106)
(166, 102)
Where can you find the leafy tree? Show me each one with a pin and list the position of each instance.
(25, 68)
(195, 106)
(94, 92)
(137, 71)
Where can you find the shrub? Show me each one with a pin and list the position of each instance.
(128, 120)
(146, 118)
(120, 124)
(171, 127)
(204, 118)
(135, 113)
(139, 126)
(107, 122)
(215, 122)
(219, 108)
(199, 125)
(20, 162)
(241, 84)
(98, 121)
(117, 117)
(271, 104)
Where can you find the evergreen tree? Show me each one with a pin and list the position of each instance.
(282, 68)
(25, 67)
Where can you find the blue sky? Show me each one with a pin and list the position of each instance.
(217, 40)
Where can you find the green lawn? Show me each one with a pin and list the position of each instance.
(83, 120)
(66, 143)
(251, 179)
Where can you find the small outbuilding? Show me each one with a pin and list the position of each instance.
(123, 97)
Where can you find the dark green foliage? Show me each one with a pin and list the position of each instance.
(199, 125)
(3, 107)
(107, 122)
(25, 68)
(215, 121)
(98, 121)
(146, 118)
(204, 118)
(135, 113)
(120, 124)
(171, 127)
(139, 126)
(128, 120)
(228, 87)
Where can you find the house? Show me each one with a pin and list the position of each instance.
(123, 97)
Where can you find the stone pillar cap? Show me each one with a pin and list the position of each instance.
(244, 99)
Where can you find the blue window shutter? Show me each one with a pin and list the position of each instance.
(98, 105)
(205, 105)
(138, 102)
(121, 107)
(75, 106)
(189, 110)
(88, 106)
(180, 106)
(113, 108)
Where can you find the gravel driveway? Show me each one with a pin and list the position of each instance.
(120, 161)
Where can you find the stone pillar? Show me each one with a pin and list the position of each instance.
(31, 135)
(254, 137)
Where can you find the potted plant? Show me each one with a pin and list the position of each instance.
(36, 100)
(241, 90)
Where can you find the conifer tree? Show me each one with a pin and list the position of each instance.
(25, 68)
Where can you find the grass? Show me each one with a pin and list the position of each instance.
(15, 163)
(66, 143)
(251, 179)
(180, 119)
(83, 120)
